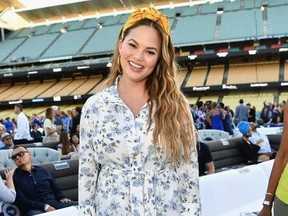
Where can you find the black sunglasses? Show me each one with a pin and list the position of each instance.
(19, 154)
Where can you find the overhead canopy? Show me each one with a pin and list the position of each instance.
(16, 14)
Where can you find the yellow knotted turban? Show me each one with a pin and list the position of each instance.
(148, 13)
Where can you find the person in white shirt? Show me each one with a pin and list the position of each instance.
(262, 141)
(22, 134)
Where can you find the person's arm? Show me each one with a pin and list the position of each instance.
(88, 166)
(7, 192)
(253, 139)
(249, 149)
(75, 150)
(9, 178)
(208, 118)
(209, 164)
(189, 186)
(210, 167)
(247, 113)
(278, 167)
(223, 113)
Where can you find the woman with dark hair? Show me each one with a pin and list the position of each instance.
(75, 140)
(66, 148)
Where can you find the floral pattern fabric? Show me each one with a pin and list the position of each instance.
(120, 171)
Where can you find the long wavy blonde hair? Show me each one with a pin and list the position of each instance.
(174, 128)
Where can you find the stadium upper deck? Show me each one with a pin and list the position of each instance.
(224, 47)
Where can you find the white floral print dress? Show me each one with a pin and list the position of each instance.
(120, 171)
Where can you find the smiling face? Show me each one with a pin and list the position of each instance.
(139, 53)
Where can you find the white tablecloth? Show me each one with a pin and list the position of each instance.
(270, 130)
(251, 207)
(69, 211)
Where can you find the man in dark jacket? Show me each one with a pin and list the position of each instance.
(36, 190)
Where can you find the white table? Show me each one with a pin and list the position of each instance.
(254, 206)
(270, 130)
(69, 211)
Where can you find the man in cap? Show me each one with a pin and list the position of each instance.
(248, 149)
(7, 139)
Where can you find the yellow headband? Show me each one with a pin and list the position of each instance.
(148, 13)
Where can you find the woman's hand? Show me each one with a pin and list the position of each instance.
(265, 211)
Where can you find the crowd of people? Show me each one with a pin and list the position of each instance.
(239, 123)
(41, 194)
(213, 115)
(57, 126)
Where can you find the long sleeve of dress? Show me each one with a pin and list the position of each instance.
(88, 171)
(6, 194)
(189, 184)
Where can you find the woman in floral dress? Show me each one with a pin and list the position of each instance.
(137, 151)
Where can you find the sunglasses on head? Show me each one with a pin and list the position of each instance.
(19, 154)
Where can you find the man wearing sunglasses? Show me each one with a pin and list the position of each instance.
(36, 190)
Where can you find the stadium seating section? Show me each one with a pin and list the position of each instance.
(226, 152)
(193, 25)
(65, 174)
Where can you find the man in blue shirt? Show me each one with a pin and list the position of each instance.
(241, 112)
(36, 190)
